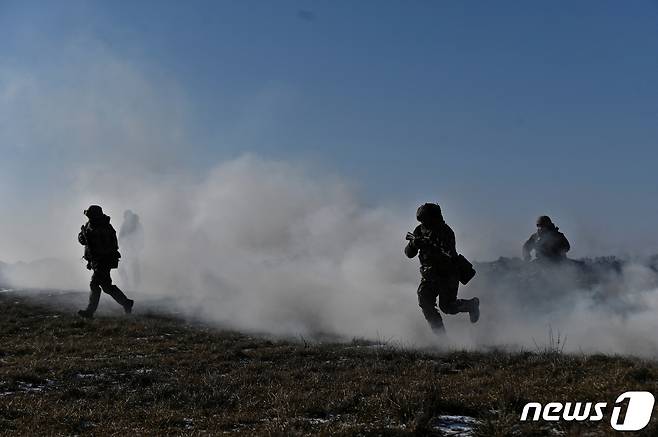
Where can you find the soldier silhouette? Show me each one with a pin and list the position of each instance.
(441, 268)
(548, 242)
(102, 254)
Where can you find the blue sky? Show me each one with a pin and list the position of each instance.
(511, 109)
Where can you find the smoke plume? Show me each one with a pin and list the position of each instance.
(255, 243)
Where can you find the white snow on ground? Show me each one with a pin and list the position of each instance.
(28, 387)
(455, 425)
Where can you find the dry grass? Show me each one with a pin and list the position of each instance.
(156, 375)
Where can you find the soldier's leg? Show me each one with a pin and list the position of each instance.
(94, 294)
(427, 292)
(449, 304)
(114, 291)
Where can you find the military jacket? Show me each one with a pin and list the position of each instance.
(550, 244)
(434, 245)
(100, 241)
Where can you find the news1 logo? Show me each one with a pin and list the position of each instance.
(638, 411)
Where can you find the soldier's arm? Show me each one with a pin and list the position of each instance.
(565, 244)
(411, 249)
(528, 246)
(452, 244)
(115, 243)
(81, 236)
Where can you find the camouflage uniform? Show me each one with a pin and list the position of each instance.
(548, 242)
(102, 254)
(434, 243)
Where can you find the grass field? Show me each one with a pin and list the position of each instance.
(154, 374)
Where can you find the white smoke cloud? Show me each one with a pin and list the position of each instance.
(268, 246)
(254, 243)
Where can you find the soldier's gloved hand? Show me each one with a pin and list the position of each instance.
(421, 243)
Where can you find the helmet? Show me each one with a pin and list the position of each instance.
(94, 211)
(429, 212)
(545, 221)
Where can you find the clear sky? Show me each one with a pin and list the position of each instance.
(514, 108)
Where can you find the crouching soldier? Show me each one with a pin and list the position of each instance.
(548, 242)
(102, 254)
(441, 268)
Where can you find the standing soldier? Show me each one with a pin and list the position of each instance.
(102, 254)
(440, 268)
(548, 242)
(131, 237)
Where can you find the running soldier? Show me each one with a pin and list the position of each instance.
(440, 265)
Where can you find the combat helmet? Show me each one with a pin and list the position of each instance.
(545, 221)
(94, 211)
(429, 213)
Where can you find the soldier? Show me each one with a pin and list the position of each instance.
(434, 242)
(131, 237)
(548, 242)
(102, 254)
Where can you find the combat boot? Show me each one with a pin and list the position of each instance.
(86, 314)
(438, 329)
(474, 311)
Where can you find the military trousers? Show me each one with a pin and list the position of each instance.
(101, 280)
(444, 286)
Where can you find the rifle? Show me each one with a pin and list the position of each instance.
(465, 269)
(423, 239)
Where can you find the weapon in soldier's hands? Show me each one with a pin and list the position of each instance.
(421, 241)
(411, 237)
(465, 269)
